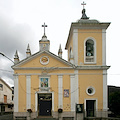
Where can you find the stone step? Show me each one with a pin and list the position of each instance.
(45, 118)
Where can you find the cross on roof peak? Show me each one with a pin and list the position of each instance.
(83, 4)
(44, 28)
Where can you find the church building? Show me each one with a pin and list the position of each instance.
(46, 84)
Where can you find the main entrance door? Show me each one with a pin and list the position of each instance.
(45, 104)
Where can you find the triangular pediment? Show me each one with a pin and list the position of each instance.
(43, 59)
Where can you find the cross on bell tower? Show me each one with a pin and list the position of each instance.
(83, 4)
(84, 16)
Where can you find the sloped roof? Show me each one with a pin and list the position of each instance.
(5, 84)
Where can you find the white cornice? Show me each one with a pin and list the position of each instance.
(90, 67)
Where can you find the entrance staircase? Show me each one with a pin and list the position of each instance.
(45, 118)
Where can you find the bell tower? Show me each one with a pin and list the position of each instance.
(44, 43)
(87, 40)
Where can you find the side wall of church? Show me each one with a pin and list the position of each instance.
(91, 78)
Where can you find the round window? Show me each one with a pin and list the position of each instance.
(90, 91)
(44, 60)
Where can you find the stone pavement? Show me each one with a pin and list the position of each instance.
(6, 117)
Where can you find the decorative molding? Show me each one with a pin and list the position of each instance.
(72, 89)
(105, 92)
(92, 67)
(75, 46)
(60, 91)
(103, 47)
(93, 90)
(76, 87)
(41, 68)
(81, 67)
(44, 60)
(28, 92)
(16, 93)
(45, 75)
(38, 54)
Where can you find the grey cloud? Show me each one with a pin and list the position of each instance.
(13, 36)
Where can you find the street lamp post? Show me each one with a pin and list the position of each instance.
(6, 57)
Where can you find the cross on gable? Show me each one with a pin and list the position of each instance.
(83, 4)
(44, 27)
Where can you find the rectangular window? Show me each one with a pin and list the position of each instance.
(44, 82)
(5, 98)
(1, 87)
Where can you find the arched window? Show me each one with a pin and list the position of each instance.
(89, 51)
(89, 48)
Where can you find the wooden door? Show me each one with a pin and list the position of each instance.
(5, 98)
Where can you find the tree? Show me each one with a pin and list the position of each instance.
(115, 103)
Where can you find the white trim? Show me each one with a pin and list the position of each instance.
(28, 92)
(16, 93)
(75, 46)
(36, 101)
(91, 38)
(105, 97)
(60, 91)
(92, 89)
(76, 87)
(103, 47)
(91, 99)
(43, 68)
(72, 89)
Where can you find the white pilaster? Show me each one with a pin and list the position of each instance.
(76, 87)
(72, 88)
(75, 46)
(104, 47)
(16, 93)
(28, 92)
(105, 98)
(36, 101)
(60, 91)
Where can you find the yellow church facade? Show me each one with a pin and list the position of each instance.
(47, 85)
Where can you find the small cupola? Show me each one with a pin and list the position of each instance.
(60, 51)
(16, 58)
(44, 43)
(28, 52)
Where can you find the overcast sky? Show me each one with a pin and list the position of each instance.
(21, 20)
